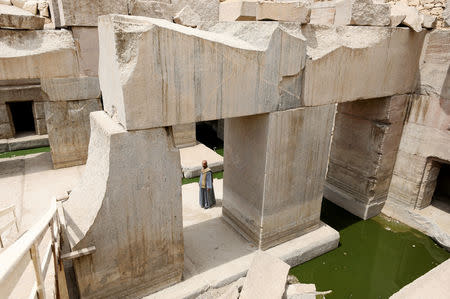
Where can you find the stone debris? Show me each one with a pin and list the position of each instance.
(14, 17)
(300, 291)
(412, 17)
(428, 21)
(362, 13)
(287, 11)
(238, 10)
(291, 279)
(187, 17)
(266, 278)
(43, 8)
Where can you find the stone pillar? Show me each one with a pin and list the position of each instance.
(39, 118)
(365, 143)
(128, 205)
(184, 135)
(275, 166)
(6, 125)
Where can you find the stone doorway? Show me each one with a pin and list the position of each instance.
(22, 118)
(441, 195)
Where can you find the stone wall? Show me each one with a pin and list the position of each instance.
(429, 7)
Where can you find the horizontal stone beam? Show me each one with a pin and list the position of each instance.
(37, 54)
(155, 73)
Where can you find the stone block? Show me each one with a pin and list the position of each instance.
(184, 135)
(53, 6)
(86, 41)
(133, 220)
(40, 126)
(429, 111)
(428, 21)
(412, 17)
(362, 13)
(14, 17)
(366, 139)
(263, 68)
(68, 130)
(300, 291)
(152, 9)
(237, 10)
(434, 75)
(266, 278)
(365, 59)
(6, 131)
(292, 11)
(38, 110)
(274, 171)
(187, 17)
(207, 10)
(37, 54)
(4, 115)
(20, 93)
(86, 12)
(323, 13)
(69, 89)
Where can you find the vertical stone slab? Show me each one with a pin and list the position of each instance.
(68, 130)
(6, 126)
(128, 205)
(365, 143)
(39, 118)
(86, 41)
(184, 135)
(275, 166)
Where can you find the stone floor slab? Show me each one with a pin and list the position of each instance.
(192, 157)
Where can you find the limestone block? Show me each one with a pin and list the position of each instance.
(362, 13)
(68, 130)
(323, 13)
(53, 6)
(266, 278)
(446, 15)
(152, 9)
(68, 89)
(128, 205)
(365, 143)
(37, 54)
(14, 17)
(4, 116)
(428, 21)
(40, 126)
(237, 10)
(282, 158)
(6, 131)
(434, 75)
(372, 62)
(429, 111)
(300, 291)
(18, 3)
(86, 41)
(208, 10)
(20, 93)
(230, 65)
(5, 2)
(291, 11)
(43, 8)
(412, 19)
(86, 12)
(184, 135)
(31, 6)
(38, 110)
(187, 17)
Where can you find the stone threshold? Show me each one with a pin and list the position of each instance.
(25, 142)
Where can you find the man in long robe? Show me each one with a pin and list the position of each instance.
(206, 197)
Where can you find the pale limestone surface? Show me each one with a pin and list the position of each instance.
(371, 62)
(23, 142)
(286, 11)
(245, 55)
(184, 135)
(37, 54)
(413, 19)
(152, 9)
(433, 284)
(68, 130)
(300, 291)
(428, 21)
(323, 13)
(362, 13)
(266, 278)
(269, 155)
(192, 157)
(187, 17)
(21, 93)
(70, 89)
(118, 205)
(365, 143)
(86, 12)
(237, 10)
(86, 41)
(14, 17)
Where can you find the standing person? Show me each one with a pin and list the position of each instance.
(206, 196)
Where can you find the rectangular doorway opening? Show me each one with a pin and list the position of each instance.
(22, 117)
(441, 195)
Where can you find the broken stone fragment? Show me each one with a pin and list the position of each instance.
(428, 21)
(291, 279)
(14, 17)
(446, 15)
(151, 9)
(237, 10)
(412, 19)
(31, 6)
(187, 17)
(292, 11)
(362, 13)
(300, 291)
(43, 9)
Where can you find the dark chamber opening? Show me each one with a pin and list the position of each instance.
(442, 190)
(206, 133)
(22, 115)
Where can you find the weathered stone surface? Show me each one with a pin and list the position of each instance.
(412, 19)
(40, 126)
(208, 10)
(187, 17)
(184, 135)
(37, 54)
(13, 17)
(86, 41)
(365, 143)
(43, 8)
(323, 13)
(230, 65)
(433, 284)
(38, 110)
(292, 11)
(362, 13)
(68, 130)
(31, 6)
(429, 21)
(434, 70)
(20, 93)
(86, 12)
(372, 62)
(68, 89)
(54, 13)
(446, 14)
(237, 10)
(282, 158)
(5, 2)
(6, 129)
(152, 9)
(300, 291)
(266, 278)
(133, 220)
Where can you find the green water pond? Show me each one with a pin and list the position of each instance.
(375, 257)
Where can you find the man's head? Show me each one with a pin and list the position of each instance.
(204, 163)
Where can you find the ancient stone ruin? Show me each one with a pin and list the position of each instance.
(347, 100)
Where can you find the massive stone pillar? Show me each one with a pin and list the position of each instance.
(128, 205)
(365, 144)
(275, 166)
(184, 135)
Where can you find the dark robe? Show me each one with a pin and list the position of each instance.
(207, 198)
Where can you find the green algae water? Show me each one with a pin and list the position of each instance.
(375, 258)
